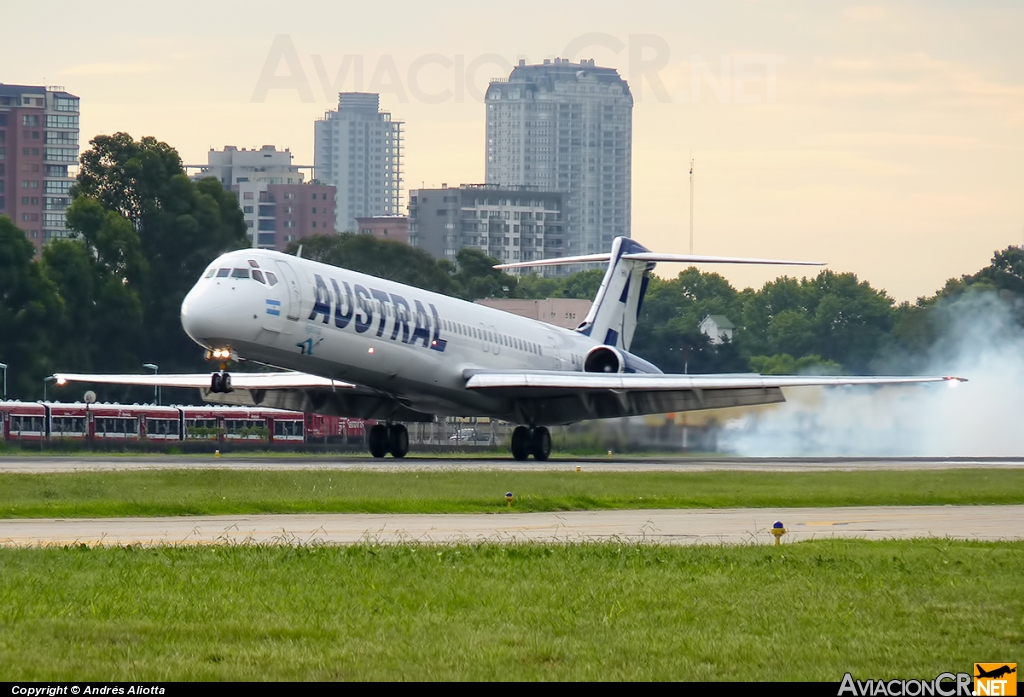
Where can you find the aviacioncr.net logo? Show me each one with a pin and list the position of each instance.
(943, 685)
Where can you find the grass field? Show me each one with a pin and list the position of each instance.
(216, 492)
(810, 611)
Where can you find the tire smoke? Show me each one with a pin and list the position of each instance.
(980, 338)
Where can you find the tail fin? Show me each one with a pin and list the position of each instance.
(613, 316)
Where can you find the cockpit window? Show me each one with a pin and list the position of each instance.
(223, 273)
(209, 273)
(257, 275)
(240, 273)
(271, 278)
(253, 264)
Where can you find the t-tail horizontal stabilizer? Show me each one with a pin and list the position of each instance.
(613, 316)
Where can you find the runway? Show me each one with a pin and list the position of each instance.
(635, 463)
(672, 526)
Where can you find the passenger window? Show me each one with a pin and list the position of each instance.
(209, 273)
(271, 278)
(223, 273)
(240, 273)
(258, 275)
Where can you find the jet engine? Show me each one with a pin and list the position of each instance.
(604, 359)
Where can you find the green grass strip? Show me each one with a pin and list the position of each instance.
(810, 611)
(217, 492)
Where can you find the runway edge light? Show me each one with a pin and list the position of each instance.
(778, 530)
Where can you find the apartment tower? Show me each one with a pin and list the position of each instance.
(566, 127)
(358, 150)
(38, 144)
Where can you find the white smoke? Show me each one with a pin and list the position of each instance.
(982, 342)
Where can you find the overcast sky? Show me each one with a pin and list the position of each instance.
(884, 139)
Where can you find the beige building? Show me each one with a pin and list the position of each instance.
(561, 312)
(385, 227)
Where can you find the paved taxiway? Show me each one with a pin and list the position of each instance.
(730, 526)
(723, 526)
(104, 462)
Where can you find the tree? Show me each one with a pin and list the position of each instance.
(389, 259)
(103, 314)
(127, 176)
(154, 230)
(31, 314)
(784, 364)
(477, 278)
(833, 316)
(582, 285)
(668, 332)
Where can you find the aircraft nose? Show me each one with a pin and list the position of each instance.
(202, 315)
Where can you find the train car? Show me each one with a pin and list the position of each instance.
(41, 421)
(23, 421)
(160, 423)
(243, 424)
(355, 430)
(67, 421)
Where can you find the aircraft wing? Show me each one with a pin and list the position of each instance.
(552, 397)
(239, 381)
(289, 390)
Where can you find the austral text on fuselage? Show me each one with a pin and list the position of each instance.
(354, 305)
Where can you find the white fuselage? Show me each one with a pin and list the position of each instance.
(386, 336)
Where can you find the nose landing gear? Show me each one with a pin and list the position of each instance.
(531, 441)
(220, 383)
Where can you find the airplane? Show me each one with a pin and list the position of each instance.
(994, 673)
(355, 345)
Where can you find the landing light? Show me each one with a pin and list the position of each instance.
(62, 381)
(220, 354)
(369, 350)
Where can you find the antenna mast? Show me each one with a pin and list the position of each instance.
(691, 205)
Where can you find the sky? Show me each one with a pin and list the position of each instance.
(884, 139)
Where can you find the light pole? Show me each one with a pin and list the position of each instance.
(46, 380)
(156, 388)
(4, 366)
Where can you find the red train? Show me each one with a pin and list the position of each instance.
(42, 421)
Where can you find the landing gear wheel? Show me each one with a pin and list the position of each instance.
(398, 440)
(540, 443)
(220, 383)
(521, 443)
(378, 440)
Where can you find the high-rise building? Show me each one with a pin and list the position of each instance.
(38, 144)
(564, 126)
(359, 150)
(509, 223)
(264, 178)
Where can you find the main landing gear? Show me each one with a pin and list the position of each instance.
(393, 438)
(531, 441)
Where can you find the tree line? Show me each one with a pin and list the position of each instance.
(108, 298)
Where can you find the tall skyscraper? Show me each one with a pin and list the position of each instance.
(38, 143)
(359, 151)
(564, 126)
(278, 207)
